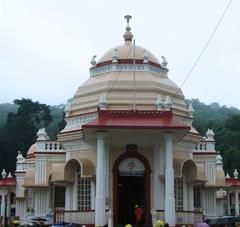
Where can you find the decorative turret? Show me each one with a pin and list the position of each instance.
(190, 110)
(115, 56)
(219, 161)
(235, 174)
(164, 62)
(9, 175)
(20, 158)
(168, 103)
(20, 162)
(42, 135)
(68, 107)
(4, 174)
(210, 141)
(102, 103)
(210, 135)
(93, 61)
(145, 56)
(227, 176)
(159, 103)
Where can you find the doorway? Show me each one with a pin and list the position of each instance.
(131, 186)
(131, 192)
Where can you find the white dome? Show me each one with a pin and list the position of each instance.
(125, 51)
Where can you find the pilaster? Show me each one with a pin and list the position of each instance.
(3, 194)
(170, 214)
(100, 218)
(236, 203)
(158, 186)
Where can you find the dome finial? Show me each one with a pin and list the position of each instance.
(128, 18)
(128, 34)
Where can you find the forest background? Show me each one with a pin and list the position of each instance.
(20, 121)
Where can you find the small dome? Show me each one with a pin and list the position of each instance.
(125, 51)
(32, 149)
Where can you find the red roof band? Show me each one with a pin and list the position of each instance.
(135, 120)
(232, 182)
(128, 61)
(8, 182)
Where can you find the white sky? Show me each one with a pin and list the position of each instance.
(46, 46)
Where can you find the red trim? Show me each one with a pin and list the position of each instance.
(147, 184)
(81, 114)
(69, 130)
(195, 133)
(49, 152)
(232, 182)
(128, 61)
(30, 156)
(204, 153)
(8, 182)
(135, 119)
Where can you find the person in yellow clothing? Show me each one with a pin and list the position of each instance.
(159, 223)
(128, 225)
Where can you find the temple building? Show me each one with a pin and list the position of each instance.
(128, 141)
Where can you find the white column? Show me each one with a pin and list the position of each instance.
(185, 193)
(107, 174)
(68, 197)
(190, 197)
(156, 181)
(158, 185)
(20, 208)
(162, 183)
(170, 214)
(8, 204)
(228, 204)
(100, 217)
(41, 201)
(3, 208)
(236, 203)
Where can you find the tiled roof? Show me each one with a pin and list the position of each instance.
(131, 119)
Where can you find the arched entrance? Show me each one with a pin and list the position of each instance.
(131, 186)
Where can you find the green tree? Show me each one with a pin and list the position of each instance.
(227, 136)
(19, 133)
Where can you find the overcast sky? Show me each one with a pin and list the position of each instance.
(46, 45)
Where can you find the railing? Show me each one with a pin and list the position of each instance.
(75, 216)
(202, 146)
(183, 217)
(87, 217)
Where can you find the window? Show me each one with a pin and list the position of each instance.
(178, 191)
(30, 200)
(59, 197)
(83, 192)
(197, 196)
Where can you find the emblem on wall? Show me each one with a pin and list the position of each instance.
(131, 165)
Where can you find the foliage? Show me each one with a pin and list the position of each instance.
(227, 135)
(57, 123)
(207, 114)
(6, 108)
(19, 132)
(225, 123)
(20, 121)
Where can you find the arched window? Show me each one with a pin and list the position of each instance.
(178, 191)
(83, 192)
